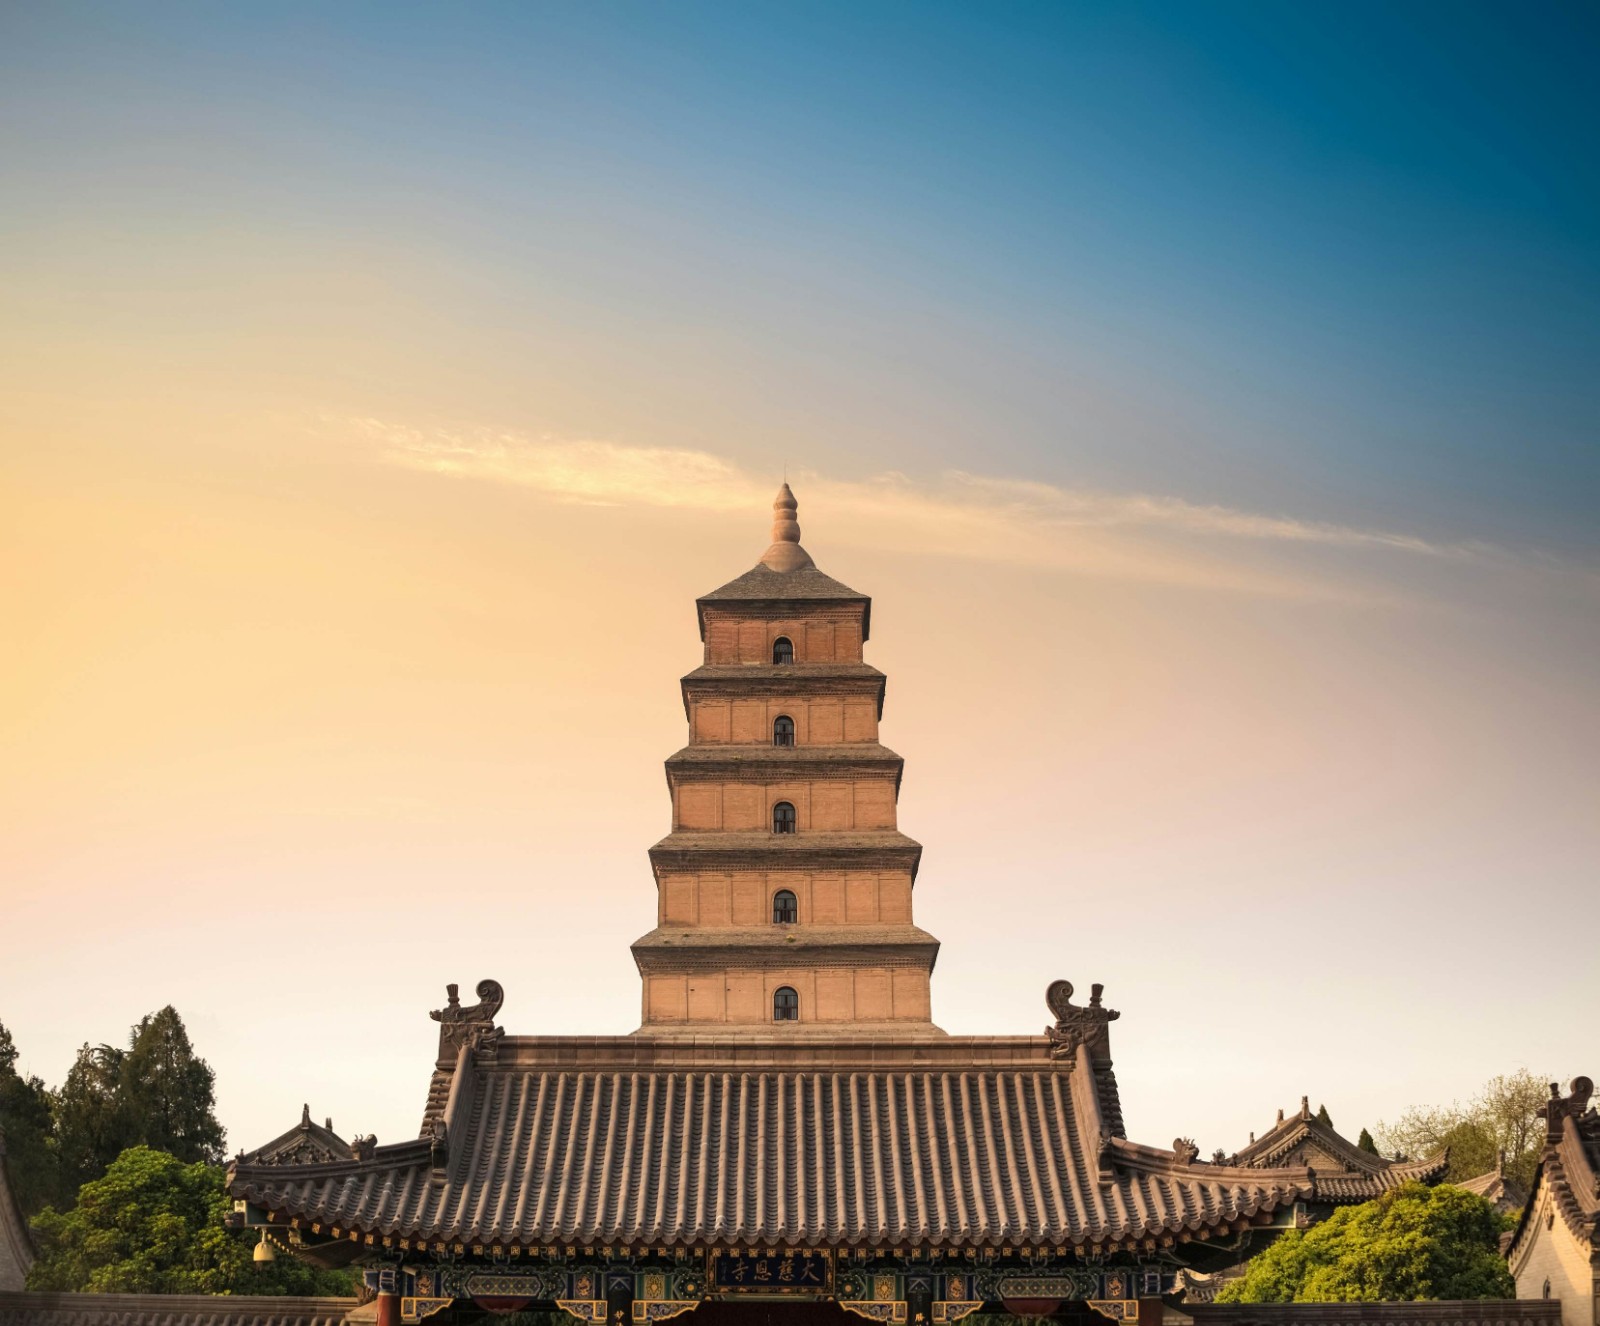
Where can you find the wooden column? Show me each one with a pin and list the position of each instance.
(388, 1309)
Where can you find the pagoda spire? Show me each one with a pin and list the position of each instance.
(785, 554)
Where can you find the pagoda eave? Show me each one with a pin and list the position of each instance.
(785, 851)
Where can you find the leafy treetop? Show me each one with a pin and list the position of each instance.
(156, 1093)
(1503, 1117)
(1411, 1243)
(154, 1225)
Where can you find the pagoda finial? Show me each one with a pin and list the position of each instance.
(785, 554)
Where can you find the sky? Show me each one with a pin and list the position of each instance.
(1205, 395)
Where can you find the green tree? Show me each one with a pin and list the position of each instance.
(91, 1126)
(1323, 1117)
(169, 1091)
(1502, 1117)
(1366, 1143)
(154, 1225)
(1412, 1243)
(157, 1093)
(31, 1161)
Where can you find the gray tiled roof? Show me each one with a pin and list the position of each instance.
(761, 584)
(171, 1310)
(1569, 1169)
(16, 1245)
(1359, 1177)
(937, 1156)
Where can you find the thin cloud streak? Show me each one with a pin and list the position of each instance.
(1119, 534)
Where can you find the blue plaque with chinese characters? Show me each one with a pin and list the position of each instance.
(771, 1272)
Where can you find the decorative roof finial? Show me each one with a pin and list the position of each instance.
(785, 554)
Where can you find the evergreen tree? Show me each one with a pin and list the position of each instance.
(169, 1091)
(1366, 1143)
(91, 1126)
(154, 1225)
(156, 1093)
(1322, 1116)
(1412, 1243)
(30, 1159)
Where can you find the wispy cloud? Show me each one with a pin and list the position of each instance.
(1131, 534)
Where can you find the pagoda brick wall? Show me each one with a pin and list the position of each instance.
(830, 636)
(835, 997)
(819, 721)
(828, 897)
(821, 805)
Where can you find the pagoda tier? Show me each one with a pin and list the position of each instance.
(784, 889)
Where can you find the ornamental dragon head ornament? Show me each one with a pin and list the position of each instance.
(1078, 1024)
(470, 1026)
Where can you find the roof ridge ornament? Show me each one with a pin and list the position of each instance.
(471, 1026)
(1078, 1024)
(786, 554)
(1558, 1109)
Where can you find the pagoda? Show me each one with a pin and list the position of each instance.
(784, 888)
(787, 1133)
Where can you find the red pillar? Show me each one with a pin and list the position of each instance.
(388, 1310)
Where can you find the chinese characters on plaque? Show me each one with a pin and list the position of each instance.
(771, 1273)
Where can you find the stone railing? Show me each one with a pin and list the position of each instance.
(171, 1310)
(1440, 1312)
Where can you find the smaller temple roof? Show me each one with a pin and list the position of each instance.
(1344, 1172)
(1497, 1187)
(307, 1143)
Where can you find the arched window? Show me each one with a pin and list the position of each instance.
(785, 910)
(785, 1005)
(783, 650)
(783, 731)
(783, 818)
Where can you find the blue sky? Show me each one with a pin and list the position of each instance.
(1313, 257)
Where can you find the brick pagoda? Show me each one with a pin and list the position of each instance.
(785, 886)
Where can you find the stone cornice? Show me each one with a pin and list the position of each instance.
(767, 764)
(762, 958)
(668, 1048)
(785, 851)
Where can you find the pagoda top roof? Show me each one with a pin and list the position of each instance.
(761, 584)
(785, 573)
